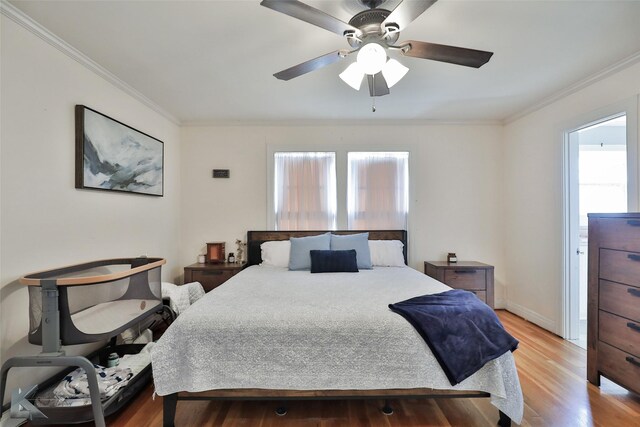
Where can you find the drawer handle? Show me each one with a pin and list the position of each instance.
(633, 361)
(634, 222)
(633, 257)
(464, 271)
(633, 326)
(212, 273)
(634, 292)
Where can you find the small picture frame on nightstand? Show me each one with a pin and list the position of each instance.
(215, 253)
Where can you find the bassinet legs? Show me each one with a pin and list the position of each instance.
(44, 361)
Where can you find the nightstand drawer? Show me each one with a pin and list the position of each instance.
(466, 278)
(472, 276)
(620, 299)
(620, 266)
(620, 332)
(481, 294)
(210, 279)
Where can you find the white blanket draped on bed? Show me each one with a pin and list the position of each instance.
(271, 328)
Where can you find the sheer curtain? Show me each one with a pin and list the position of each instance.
(378, 190)
(305, 191)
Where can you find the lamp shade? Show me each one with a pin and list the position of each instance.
(371, 58)
(353, 76)
(393, 71)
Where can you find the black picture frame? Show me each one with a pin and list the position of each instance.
(113, 156)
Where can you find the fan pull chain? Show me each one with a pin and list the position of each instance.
(373, 96)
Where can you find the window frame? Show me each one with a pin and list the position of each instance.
(327, 185)
(399, 154)
(341, 151)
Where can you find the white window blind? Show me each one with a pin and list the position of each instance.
(377, 190)
(305, 190)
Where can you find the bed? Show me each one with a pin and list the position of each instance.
(270, 333)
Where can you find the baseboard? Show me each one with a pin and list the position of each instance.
(499, 304)
(532, 316)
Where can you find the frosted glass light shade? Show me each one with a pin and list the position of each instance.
(393, 71)
(353, 76)
(371, 58)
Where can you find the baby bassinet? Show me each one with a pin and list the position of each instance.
(85, 303)
(97, 300)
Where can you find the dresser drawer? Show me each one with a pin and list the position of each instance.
(620, 266)
(619, 332)
(621, 367)
(471, 279)
(619, 233)
(210, 279)
(620, 299)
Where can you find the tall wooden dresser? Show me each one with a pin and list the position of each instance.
(613, 338)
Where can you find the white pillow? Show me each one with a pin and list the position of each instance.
(386, 253)
(276, 253)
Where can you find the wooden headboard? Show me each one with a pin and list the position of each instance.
(256, 238)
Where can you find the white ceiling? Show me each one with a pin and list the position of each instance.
(212, 61)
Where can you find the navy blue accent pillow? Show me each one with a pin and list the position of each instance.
(334, 261)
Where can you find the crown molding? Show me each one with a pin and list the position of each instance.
(600, 75)
(19, 17)
(337, 123)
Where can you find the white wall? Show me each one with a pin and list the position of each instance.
(456, 202)
(45, 221)
(533, 196)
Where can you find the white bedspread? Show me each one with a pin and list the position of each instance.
(271, 328)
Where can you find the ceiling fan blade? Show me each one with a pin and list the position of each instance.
(309, 14)
(311, 65)
(406, 12)
(377, 85)
(443, 53)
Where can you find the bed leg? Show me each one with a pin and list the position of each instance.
(504, 420)
(169, 403)
(387, 409)
(281, 410)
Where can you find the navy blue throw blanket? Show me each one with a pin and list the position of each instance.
(462, 332)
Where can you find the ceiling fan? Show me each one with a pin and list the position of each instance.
(371, 33)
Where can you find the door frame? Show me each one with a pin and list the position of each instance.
(570, 263)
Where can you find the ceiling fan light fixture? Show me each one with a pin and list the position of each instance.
(393, 71)
(353, 75)
(372, 57)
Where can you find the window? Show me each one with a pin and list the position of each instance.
(377, 190)
(341, 188)
(305, 191)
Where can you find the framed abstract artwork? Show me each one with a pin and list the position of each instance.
(113, 156)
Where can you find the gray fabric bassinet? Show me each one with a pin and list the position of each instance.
(97, 300)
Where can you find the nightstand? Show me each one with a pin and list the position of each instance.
(211, 275)
(471, 276)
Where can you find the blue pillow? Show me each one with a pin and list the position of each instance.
(359, 242)
(334, 261)
(299, 258)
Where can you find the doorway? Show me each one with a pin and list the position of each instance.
(600, 174)
(598, 177)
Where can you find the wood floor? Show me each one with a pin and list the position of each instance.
(552, 373)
